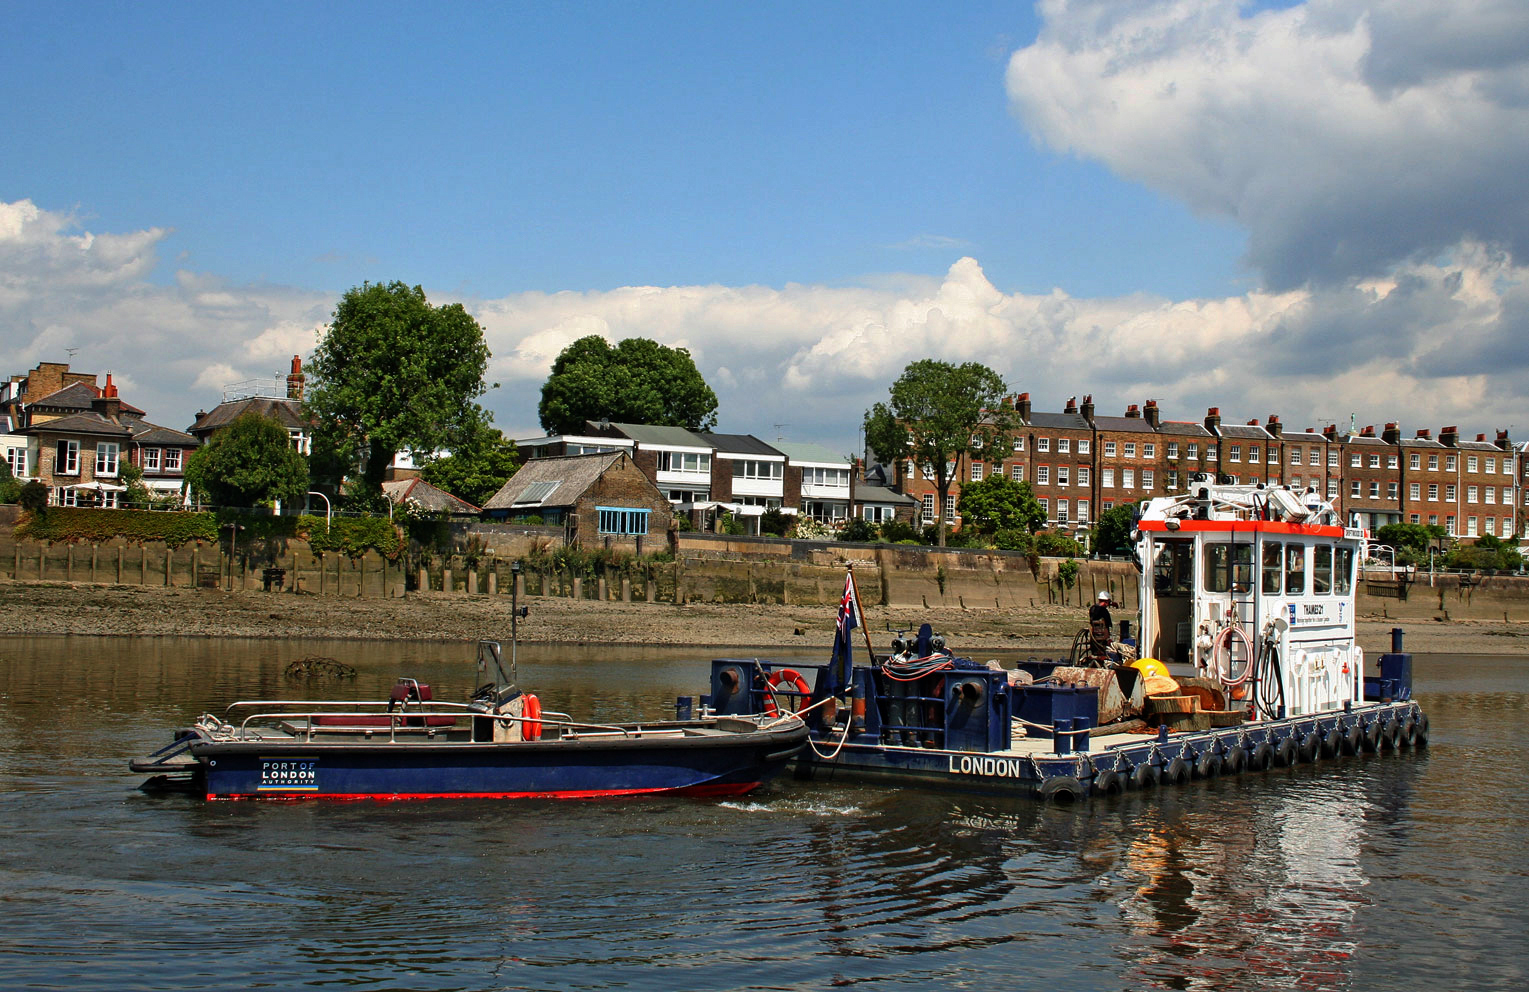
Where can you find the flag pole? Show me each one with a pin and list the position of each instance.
(861, 611)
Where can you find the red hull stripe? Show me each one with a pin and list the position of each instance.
(705, 791)
(1245, 527)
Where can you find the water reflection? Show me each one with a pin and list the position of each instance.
(1340, 876)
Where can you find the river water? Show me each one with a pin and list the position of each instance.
(1381, 872)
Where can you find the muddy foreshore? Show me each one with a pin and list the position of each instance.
(99, 610)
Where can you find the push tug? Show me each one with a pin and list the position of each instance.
(1249, 661)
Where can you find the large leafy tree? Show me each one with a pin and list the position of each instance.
(395, 373)
(938, 413)
(638, 381)
(1112, 530)
(999, 503)
(1410, 541)
(478, 466)
(251, 462)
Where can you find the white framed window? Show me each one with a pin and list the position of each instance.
(1061, 511)
(1489, 494)
(1064, 445)
(1489, 466)
(1470, 463)
(1433, 463)
(1470, 526)
(1128, 478)
(66, 460)
(1449, 494)
(1449, 463)
(16, 458)
(1391, 461)
(108, 453)
(1235, 453)
(1332, 457)
(1045, 506)
(1130, 449)
(151, 459)
(1355, 460)
(1490, 525)
(1173, 481)
(950, 508)
(1355, 490)
(1391, 490)
(976, 471)
(173, 459)
(1470, 494)
(1107, 478)
(1019, 442)
(1148, 449)
(1210, 452)
(1173, 449)
(1108, 504)
(1375, 461)
(1109, 449)
(1017, 472)
(1433, 493)
(1043, 444)
(928, 507)
(1082, 511)
(758, 471)
(1295, 456)
(1414, 491)
(1254, 453)
(1449, 525)
(1043, 475)
(1332, 488)
(1083, 476)
(1194, 452)
(1414, 461)
(1082, 445)
(1063, 475)
(1414, 519)
(1375, 490)
(1147, 476)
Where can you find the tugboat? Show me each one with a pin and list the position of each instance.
(499, 745)
(1248, 661)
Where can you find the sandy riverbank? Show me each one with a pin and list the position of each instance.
(58, 608)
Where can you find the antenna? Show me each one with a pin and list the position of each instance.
(71, 352)
(778, 427)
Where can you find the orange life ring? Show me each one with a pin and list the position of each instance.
(780, 678)
(531, 727)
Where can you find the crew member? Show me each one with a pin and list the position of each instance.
(1100, 624)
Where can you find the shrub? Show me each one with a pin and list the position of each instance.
(858, 530)
(1055, 545)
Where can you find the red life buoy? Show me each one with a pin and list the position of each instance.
(531, 727)
(781, 678)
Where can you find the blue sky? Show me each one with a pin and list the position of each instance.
(1124, 199)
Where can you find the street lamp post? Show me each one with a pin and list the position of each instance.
(328, 514)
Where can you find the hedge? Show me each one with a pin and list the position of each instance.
(350, 536)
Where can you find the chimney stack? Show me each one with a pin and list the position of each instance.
(1449, 436)
(1022, 407)
(296, 379)
(1393, 434)
(1088, 409)
(1132, 412)
(1274, 426)
(1213, 420)
(108, 404)
(1072, 405)
(1154, 416)
(1503, 442)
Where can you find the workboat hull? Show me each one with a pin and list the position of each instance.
(522, 770)
(1112, 764)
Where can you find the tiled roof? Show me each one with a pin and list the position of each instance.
(75, 396)
(674, 437)
(880, 494)
(288, 412)
(742, 444)
(1420, 442)
(1138, 424)
(425, 496)
(1059, 421)
(1362, 439)
(80, 423)
(1245, 432)
(147, 433)
(572, 473)
(1183, 428)
(799, 453)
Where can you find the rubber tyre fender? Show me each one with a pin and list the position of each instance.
(1372, 737)
(1422, 738)
(1208, 765)
(1310, 746)
(1062, 789)
(1285, 752)
(1177, 772)
(1108, 783)
(1235, 760)
(1353, 739)
(1332, 744)
(1262, 758)
(1390, 735)
(1144, 776)
(1409, 734)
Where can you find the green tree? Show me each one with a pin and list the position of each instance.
(9, 487)
(940, 412)
(137, 493)
(999, 503)
(251, 462)
(638, 381)
(395, 373)
(477, 467)
(33, 497)
(1112, 531)
(1411, 541)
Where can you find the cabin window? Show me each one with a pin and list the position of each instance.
(1343, 571)
(621, 520)
(1273, 567)
(1322, 569)
(1295, 569)
(1228, 567)
(1173, 568)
